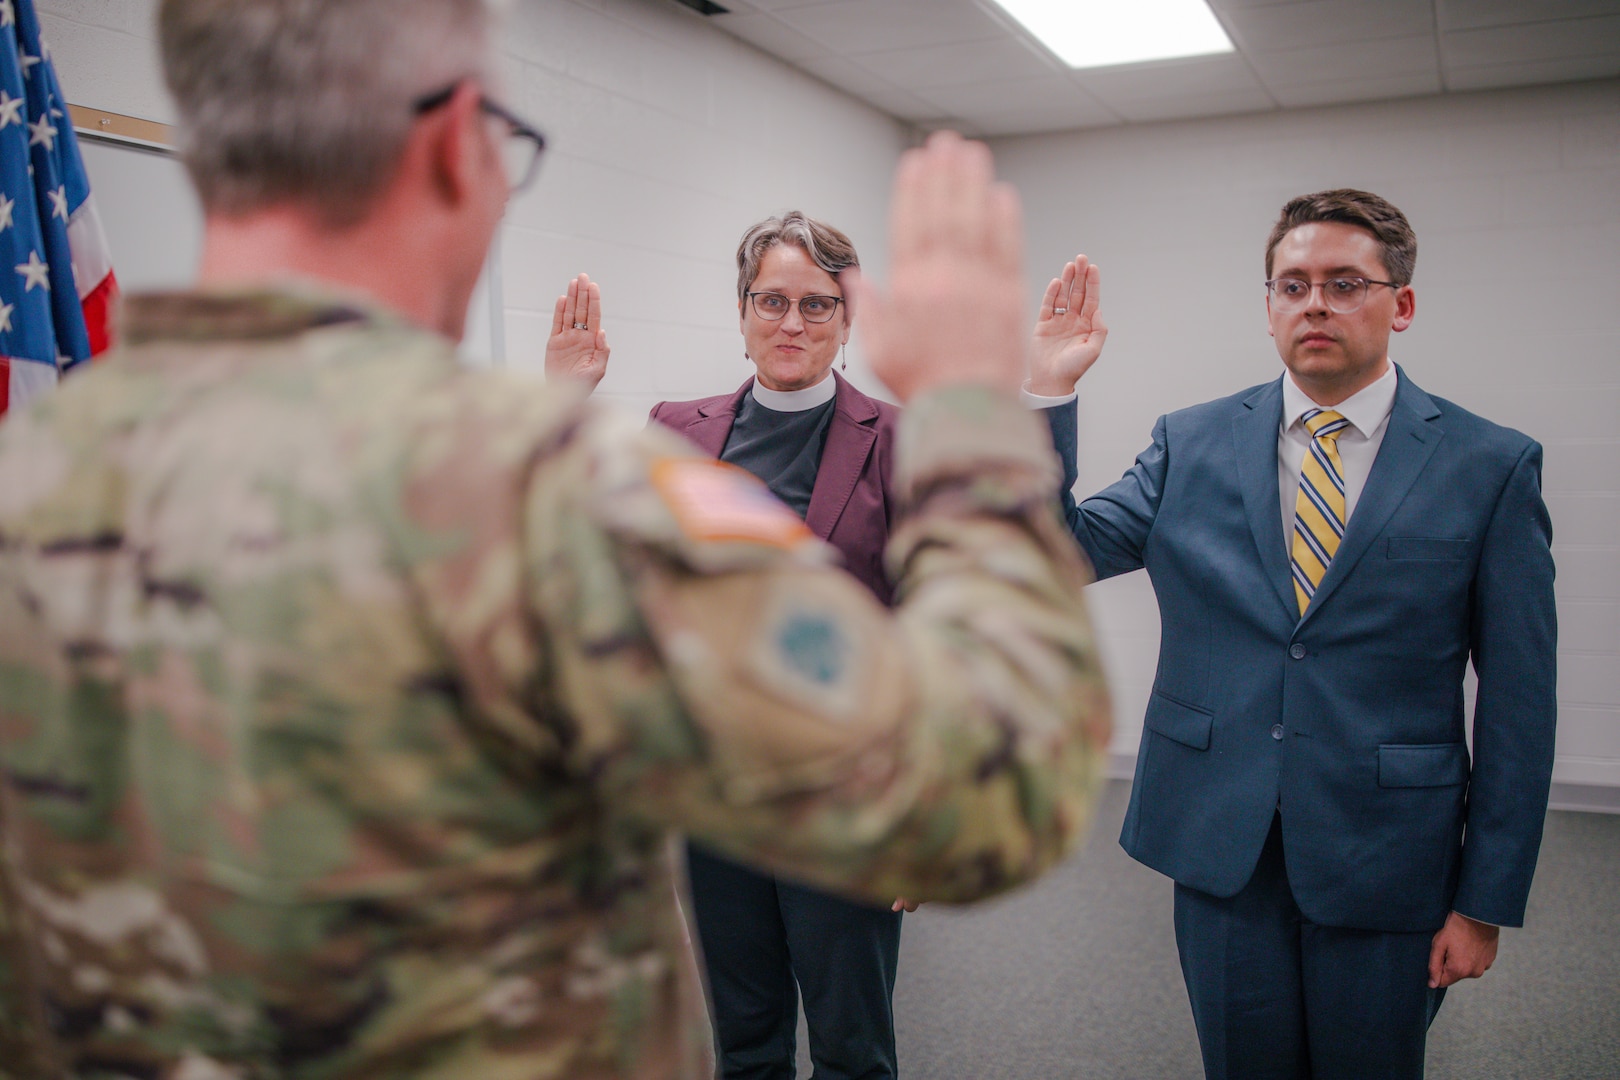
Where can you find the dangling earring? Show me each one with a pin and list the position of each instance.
(843, 352)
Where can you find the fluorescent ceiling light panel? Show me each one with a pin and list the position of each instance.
(1099, 33)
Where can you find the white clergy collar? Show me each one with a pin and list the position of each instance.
(1366, 409)
(796, 400)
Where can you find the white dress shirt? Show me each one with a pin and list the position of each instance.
(1368, 412)
(1041, 401)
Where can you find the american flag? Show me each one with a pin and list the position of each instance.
(56, 281)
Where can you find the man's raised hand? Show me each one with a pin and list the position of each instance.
(952, 311)
(1069, 330)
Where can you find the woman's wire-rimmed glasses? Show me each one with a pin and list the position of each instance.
(773, 306)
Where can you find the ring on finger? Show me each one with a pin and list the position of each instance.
(581, 326)
(1060, 311)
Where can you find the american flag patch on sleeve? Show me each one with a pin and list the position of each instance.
(716, 501)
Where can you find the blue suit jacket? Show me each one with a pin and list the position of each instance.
(1350, 719)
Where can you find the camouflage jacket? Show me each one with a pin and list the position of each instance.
(348, 699)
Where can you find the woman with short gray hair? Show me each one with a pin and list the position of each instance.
(827, 450)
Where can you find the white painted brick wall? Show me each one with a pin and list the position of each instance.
(670, 138)
(1515, 197)
(667, 139)
(106, 55)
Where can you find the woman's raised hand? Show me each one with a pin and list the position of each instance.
(578, 347)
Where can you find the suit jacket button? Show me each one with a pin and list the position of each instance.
(1297, 651)
(1276, 731)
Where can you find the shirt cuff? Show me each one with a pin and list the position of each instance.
(1041, 401)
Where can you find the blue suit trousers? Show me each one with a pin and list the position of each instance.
(1277, 997)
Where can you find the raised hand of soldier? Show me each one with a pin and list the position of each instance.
(1069, 331)
(953, 310)
(578, 346)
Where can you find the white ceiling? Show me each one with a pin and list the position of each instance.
(965, 64)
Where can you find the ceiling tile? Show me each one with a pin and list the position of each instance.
(966, 62)
(1067, 115)
(857, 26)
(1194, 77)
(778, 5)
(1344, 63)
(1472, 14)
(1217, 103)
(772, 35)
(847, 75)
(1328, 22)
(1223, 6)
(1533, 73)
(1564, 39)
(1374, 89)
(903, 104)
(1002, 96)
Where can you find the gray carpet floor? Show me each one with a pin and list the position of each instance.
(1076, 976)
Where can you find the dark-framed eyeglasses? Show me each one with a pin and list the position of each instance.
(1342, 295)
(520, 154)
(773, 306)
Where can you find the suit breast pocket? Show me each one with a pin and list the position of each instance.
(1429, 549)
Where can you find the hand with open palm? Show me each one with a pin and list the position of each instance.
(578, 347)
(1069, 331)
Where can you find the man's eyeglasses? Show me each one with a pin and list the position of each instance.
(773, 307)
(520, 153)
(1342, 295)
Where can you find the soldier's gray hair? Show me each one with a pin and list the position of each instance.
(827, 247)
(309, 102)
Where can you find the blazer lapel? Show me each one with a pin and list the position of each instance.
(1254, 435)
(850, 436)
(1409, 441)
(713, 424)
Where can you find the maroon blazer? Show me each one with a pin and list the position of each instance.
(851, 506)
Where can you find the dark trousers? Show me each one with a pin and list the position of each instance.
(1276, 997)
(763, 941)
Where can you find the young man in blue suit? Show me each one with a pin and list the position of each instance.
(1329, 551)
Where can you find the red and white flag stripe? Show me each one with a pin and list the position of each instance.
(22, 381)
(93, 273)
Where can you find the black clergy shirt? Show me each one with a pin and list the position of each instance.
(781, 448)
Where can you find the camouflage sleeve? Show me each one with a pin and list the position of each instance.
(19, 1019)
(714, 672)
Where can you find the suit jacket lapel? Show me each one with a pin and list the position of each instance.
(712, 427)
(850, 436)
(1254, 436)
(1409, 441)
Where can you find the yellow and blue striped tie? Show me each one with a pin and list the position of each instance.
(1319, 512)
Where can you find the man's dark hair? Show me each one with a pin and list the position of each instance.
(1397, 243)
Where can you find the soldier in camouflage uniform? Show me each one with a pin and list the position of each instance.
(347, 698)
